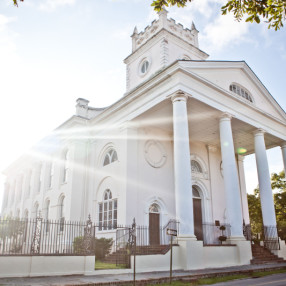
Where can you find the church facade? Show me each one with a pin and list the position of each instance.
(171, 148)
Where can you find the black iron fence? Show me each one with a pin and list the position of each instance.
(269, 236)
(215, 234)
(46, 237)
(148, 240)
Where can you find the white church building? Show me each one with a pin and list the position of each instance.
(172, 147)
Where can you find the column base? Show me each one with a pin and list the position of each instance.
(235, 239)
(243, 246)
(187, 237)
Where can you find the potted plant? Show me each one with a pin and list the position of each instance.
(222, 237)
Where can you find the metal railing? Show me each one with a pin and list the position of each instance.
(215, 234)
(45, 237)
(270, 237)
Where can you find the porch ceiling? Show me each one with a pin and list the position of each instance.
(204, 125)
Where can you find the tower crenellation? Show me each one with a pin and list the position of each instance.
(159, 45)
(177, 29)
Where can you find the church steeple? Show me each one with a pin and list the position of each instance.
(159, 45)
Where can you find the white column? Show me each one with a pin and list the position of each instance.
(231, 183)
(243, 192)
(283, 149)
(266, 197)
(182, 166)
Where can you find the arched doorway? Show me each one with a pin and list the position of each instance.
(154, 224)
(197, 209)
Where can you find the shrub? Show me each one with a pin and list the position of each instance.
(100, 246)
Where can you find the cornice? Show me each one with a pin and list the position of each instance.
(156, 38)
(165, 74)
(248, 71)
(230, 94)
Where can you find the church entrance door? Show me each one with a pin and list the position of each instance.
(198, 218)
(154, 224)
(154, 228)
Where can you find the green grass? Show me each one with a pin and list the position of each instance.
(266, 273)
(209, 281)
(214, 280)
(102, 265)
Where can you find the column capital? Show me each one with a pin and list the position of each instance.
(240, 158)
(225, 116)
(179, 96)
(212, 148)
(259, 132)
(283, 145)
(127, 125)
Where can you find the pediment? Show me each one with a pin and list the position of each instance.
(223, 74)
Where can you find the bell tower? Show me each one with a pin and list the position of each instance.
(159, 45)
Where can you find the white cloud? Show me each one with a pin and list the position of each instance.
(50, 5)
(224, 31)
(123, 33)
(4, 21)
(7, 45)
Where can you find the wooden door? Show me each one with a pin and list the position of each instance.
(154, 228)
(198, 219)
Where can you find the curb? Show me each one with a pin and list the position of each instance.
(185, 278)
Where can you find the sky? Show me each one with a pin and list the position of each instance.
(55, 51)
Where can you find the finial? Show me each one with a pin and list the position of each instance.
(193, 26)
(135, 32)
(163, 12)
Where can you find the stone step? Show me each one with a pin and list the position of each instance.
(264, 256)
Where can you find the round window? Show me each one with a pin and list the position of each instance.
(144, 67)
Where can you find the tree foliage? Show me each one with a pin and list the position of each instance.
(16, 2)
(278, 184)
(273, 11)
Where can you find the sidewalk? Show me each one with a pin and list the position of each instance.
(123, 279)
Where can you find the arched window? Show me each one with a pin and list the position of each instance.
(29, 183)
(6, 195)
(144, 67)
(13, 193)
(36, 210)
(196, 167)
(196, 193)
(52, 172)
(62, 212)
(61, 208)
(110, 157)
(46, 209)
(186, 58)
(40, 176)
(107, 212)
(19, 188)
(65, 166)
(241, 92)
(154, 208)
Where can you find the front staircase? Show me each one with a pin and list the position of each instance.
(262, 255)
(121, 255)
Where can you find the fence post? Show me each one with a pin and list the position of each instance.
(87, 240)
(35, 248)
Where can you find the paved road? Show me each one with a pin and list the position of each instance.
(107, 278)
(271, 280)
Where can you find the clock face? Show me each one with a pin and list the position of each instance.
(221, 168)
(144, 66)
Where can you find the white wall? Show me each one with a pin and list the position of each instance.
(32, 266)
